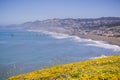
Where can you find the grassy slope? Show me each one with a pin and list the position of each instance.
(107, 68)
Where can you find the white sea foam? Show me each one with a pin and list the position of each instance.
(101, 44)
(88, 42)
(104, 45)
(102, 56)
(52, 34)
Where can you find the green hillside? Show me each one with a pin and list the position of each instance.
(107, 68)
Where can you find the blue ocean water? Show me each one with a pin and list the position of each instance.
(24, 51)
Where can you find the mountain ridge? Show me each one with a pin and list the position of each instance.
(79, 23)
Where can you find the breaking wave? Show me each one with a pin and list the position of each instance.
(102, 56)
(88, 42)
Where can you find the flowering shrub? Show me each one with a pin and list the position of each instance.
(107, 68)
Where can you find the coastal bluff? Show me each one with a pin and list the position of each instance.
(100, 68)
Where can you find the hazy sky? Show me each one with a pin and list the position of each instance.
(18, 11)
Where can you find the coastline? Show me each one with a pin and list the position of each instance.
(91, 40)
(102, 39)
(110, 40)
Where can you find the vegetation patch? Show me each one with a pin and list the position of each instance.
(107, 68)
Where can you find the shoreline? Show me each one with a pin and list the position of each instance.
(110, 40)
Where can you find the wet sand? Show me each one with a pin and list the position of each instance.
(111, 40)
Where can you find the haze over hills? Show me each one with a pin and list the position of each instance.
(69, 24)
(104, 28)
(96, 23)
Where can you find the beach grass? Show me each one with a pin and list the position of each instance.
(106, 68)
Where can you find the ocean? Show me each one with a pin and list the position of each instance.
(25, 51)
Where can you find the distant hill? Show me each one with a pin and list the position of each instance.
(70, 24)
(96, 23)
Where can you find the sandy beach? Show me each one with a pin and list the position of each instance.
(111, 40)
